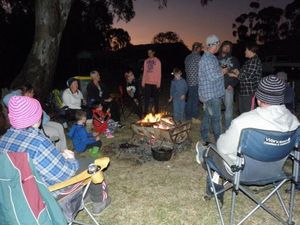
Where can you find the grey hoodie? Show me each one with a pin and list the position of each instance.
(274, 118)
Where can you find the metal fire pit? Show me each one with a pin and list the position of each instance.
(176, 135)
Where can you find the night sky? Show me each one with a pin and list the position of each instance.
(188, 19)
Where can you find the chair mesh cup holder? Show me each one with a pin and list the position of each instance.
(93, 168)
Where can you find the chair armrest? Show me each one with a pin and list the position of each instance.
(84, 176)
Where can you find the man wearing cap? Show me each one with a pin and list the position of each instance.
(191, 63)
(211, 89)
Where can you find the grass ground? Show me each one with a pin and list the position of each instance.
(166, 193)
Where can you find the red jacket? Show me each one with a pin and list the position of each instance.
(100, 119)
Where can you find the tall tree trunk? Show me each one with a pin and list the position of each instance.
(39, 68)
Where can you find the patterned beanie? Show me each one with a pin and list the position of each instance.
(271, 90)
(23, 111)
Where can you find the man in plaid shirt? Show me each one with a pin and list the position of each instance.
(250, 75)
(191, 63)
(211, 89)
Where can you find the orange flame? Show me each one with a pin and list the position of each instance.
(150, 118)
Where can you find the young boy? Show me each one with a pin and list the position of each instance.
(81, 139)
(177, 95)
(133, 93)
(102, 122)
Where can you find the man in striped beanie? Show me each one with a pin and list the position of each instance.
(271, 114)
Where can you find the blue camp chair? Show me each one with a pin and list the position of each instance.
(260, 160)
(25, 199)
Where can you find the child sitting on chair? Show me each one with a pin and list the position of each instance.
(81, 139)
(102, 122)
(177, 95)
(133, 93)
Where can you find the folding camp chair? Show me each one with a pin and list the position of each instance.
(260, 159)
(26, 200)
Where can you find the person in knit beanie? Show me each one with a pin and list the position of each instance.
(271, 114)
(54, 166)
(25, 114)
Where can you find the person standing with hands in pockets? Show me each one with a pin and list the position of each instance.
(151, 80)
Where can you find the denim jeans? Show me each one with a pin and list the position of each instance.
(178, 109)
(211, 117)
(228, 102)
(192, 105)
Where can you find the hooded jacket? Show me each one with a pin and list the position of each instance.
(80, 137)
(273, 118)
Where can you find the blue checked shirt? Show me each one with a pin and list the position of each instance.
(191, 63)
(48, 160)
(211, 79)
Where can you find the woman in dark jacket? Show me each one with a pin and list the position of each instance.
(97, 93)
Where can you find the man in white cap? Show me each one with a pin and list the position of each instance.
(211, 89)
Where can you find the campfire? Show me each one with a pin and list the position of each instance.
(162, 127)
(152, 135)
(159, 120)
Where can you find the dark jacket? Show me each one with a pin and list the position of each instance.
(231, 63)
(96, 95)
(132, 90)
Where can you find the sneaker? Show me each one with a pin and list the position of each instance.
(98, 207)
(109, 136)
(200, 148)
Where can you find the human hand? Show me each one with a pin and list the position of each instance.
(230, 88)
(182, 97)
(97, 138)
(68, 154)
(108, 110)
(108, 99)
(225, 70)
(170, 99)
(95, 134)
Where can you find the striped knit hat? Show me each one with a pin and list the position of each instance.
(271, 90)
(23, 111)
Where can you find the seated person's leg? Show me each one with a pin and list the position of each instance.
(97, 193)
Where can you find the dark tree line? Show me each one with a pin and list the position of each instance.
(268, 24)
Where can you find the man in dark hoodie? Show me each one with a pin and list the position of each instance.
(230, 63)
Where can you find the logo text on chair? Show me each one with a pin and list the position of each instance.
(271, 141)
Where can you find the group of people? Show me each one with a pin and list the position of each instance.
(32, 131)
(211, 78)
(261, 99)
